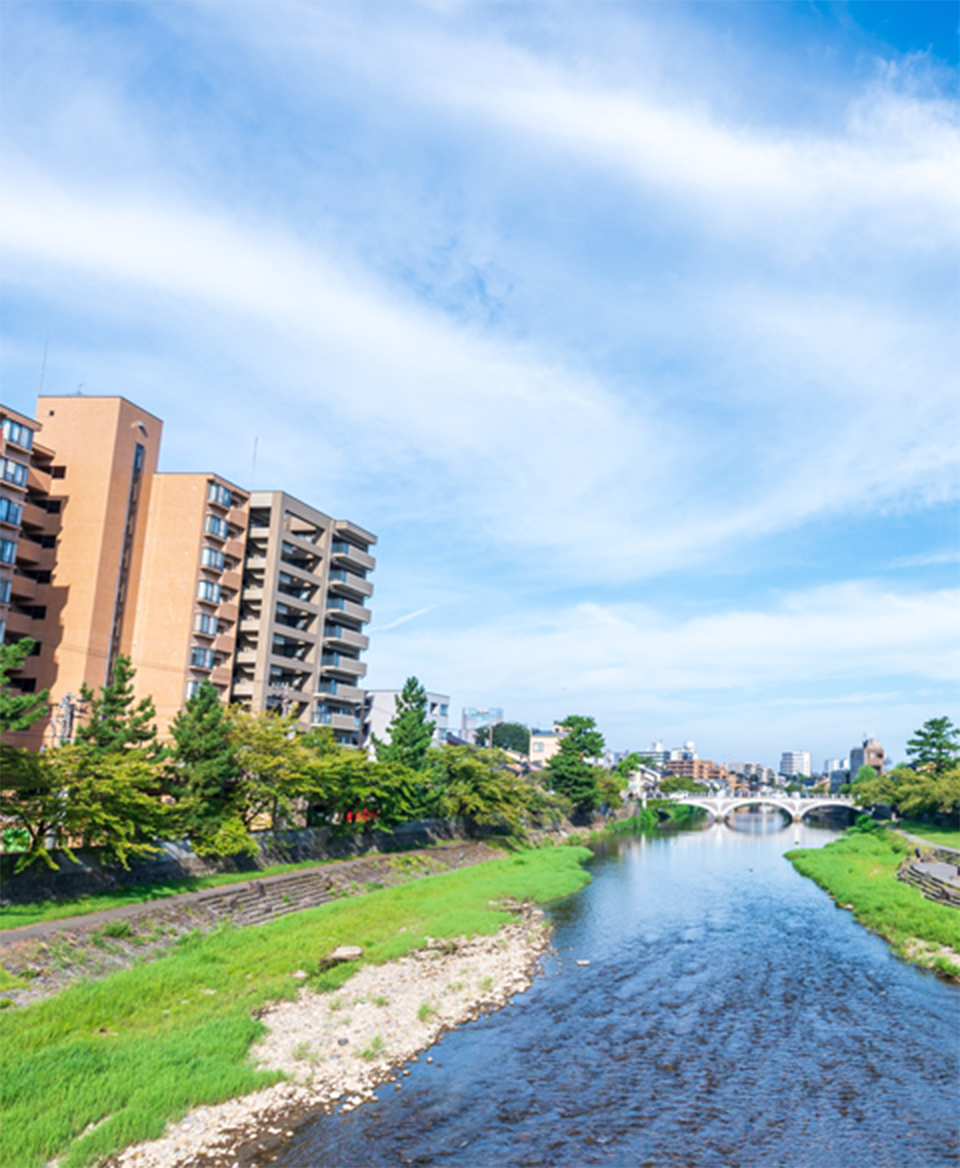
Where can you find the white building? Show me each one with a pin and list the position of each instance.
(795, 762)
(380, 705)
(473, 719)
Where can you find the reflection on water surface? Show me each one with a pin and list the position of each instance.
(731, 1015)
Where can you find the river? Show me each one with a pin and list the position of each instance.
(731, 1016)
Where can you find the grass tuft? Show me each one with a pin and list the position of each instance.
(141, 1047)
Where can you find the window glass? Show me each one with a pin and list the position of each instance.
(220, 495)
(14, 432)
(8, 551)
(10, 512)
(5, 591)
(212, 558)
(13, 472)
(208, 590)
(216, 526)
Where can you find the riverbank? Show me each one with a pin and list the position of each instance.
(859, 873)
(104, 1065)
(336, 1048)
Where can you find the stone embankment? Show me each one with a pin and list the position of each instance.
(54, 953)
(337, 1048)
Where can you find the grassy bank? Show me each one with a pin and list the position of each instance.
(15, 916)
(944, 837)
(860, 872)
(141, 1047)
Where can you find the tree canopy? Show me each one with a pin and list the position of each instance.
(936, 746)
(568, 772)
(18, 710)
(411, 733)
(114, 720)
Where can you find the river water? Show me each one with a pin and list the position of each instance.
(731, 1016)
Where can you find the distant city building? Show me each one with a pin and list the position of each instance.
(676, 754)
(380, 705)
(701, 770)
(869, 754)
(753, 770)
(473, 719)
(795, 762)
(835, 764)
(544, 744)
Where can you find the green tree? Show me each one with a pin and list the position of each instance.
(18, 710)
(936, 746)
(568, 771)
(410, 731)
(512, 736)
(866, 774)
(632, 763)
(115, 720)
(612, 786)
(203, 770)
(674, 784)
(478, 785)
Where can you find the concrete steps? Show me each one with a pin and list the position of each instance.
(930, 885)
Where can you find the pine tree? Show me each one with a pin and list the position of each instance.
(115, 722)
(410, 731)
(18, 710)
(204, 766)
(935, 746)
(569, 773)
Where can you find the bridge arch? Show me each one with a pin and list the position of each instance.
(796, 807)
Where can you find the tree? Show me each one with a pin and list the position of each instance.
(674, 784)
(114, 721)
(512, 736)
(203, 770)
(18, 710)
(936, 746)
(612, 785)
(478, 785)
(410, 731)
(632, 763)
(865, 774)
(568, 771)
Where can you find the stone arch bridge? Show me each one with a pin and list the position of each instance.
(796, 806)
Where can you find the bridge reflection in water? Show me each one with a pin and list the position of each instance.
(795, 806)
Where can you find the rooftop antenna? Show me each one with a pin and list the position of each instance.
(253, 464)
(43, 366)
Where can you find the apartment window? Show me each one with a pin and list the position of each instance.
(5, 591)
(24, 684)
(53, 506)
(14, 432)
(38, 612)
(58, 472)
(43, 575)
(10, 512)
(444, 711)
(208, 590)
(220, 495)
(212, 558)
(538, 746)
(193, 688)
(201, 657)
(48, 541)
(216, 526)
(13, 472)
(8, 551)
(206, 623)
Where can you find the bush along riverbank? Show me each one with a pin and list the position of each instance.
(103, 1065)
(860, 872)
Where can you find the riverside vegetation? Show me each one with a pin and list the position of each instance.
(106, 1064)
(859, 872)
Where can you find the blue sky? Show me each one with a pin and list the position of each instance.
(630, 329)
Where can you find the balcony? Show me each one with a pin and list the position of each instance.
(337, 635)
(348, 554)
(234, 548)
(339, 663)
(231, 580)
(242, 687)
(348, 694)
(336, 721)
(344, 527)
(341, 580)
(338, 605)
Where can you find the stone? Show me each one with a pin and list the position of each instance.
(341, 954)
(583, 963)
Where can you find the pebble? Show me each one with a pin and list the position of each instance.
(456, 979)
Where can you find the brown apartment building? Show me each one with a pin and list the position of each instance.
(701, 770)
(102, 555)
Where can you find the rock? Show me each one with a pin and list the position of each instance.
(300, 975)
(583, 963)
(341, 954)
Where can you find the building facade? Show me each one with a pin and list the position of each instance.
(380, 706)
(188, 575)
(302, 613)
(870, 754)
(473, 719)
(701, 770)
(795, 762)
(544, 744)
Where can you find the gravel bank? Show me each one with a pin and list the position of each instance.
(336, 1048)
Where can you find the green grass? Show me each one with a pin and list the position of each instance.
(144, 1045)
(9, 981)
(15, 916)
(942, 836)
(860, 870)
